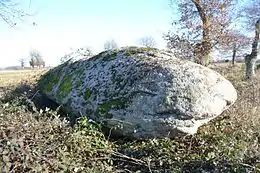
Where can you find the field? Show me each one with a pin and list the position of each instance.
(36, 139)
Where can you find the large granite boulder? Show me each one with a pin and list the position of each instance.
(145, 93)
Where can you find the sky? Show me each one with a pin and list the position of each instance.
(62, 26)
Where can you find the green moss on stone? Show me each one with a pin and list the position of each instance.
(78, 73)
(79, 84)
(49, 80)
(49, 85)
(105, 107)
(87, 93)
(132, 50)
(97, 56)
(167, 100)
(65, 86)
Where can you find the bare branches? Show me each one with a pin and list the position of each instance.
(147, 41)
(81, 53)
(234, 41)
(36, 59)
(180, 45)
(250, 13)
(110, 45)
(11, 13)
(22, 61)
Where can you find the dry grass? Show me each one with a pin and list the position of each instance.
(46, 142)
(14, 77)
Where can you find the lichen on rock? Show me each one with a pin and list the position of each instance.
(148, 92)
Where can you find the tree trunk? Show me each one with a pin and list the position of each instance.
(205, 54)
(250, 66)
(204, 49)
(234, 54)
(251, 58)
(202, 53)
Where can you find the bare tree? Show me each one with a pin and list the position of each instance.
(22, 61)
(40, 62)
(36, 59)
(11, 13)
(110, 45)
(234, 42)
(32, 62)
(147, 41)
(202, 24)
(81, 53)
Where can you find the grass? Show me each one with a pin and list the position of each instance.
(36, 139)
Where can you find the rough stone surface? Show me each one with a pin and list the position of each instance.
(140, 92)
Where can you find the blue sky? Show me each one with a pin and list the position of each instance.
(65, 25)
